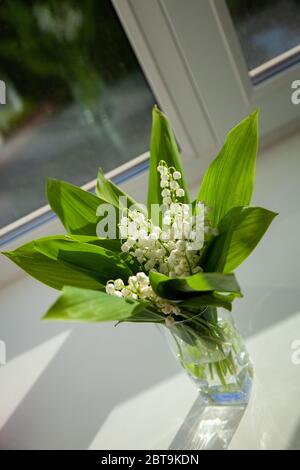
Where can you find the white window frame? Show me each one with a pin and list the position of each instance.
(217, 66)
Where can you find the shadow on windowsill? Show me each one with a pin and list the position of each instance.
(208, 427)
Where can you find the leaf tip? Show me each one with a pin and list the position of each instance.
(51, 184)
(253, 119)
(51, 317)
(157, 113)
(50, 181)
(46, 317)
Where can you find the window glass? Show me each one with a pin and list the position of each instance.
(267, 29)
(75, 95)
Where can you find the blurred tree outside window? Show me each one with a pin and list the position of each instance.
(76, 98)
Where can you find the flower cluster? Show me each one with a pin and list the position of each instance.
(138, 288)
(155, 248)
(171, 189)
(173, 249)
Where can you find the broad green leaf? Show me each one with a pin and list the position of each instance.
(112, 245)
(239, 233)
(211, 300)
(94, 306)
(101, 263)
(58, 261)
(53, 273)
(109, 244)
(107, 191)
(229, 180)
(75, 208)
(183, 287)
(163, 147)
(90, 306)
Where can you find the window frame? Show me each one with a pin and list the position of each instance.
(225, 83)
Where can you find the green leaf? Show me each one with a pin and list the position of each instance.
(109, 244)
(107, 191)
(209, 300)
(163, 147)
(53, 273)
(112, 245)
(93, 306)
(101, 263)
(59, 261)
(229, 180)
(75, 208)
(239, 233)
(184, 287)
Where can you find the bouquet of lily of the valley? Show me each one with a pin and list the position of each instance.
(170, 263)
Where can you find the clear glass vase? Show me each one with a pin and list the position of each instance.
(210, 348)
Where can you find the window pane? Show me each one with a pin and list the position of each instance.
(266, 30)
(76, 98)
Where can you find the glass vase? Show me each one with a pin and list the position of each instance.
(210, 349)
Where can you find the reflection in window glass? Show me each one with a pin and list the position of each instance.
(266, 28)
(76, 98)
